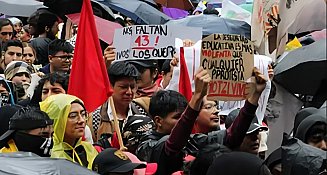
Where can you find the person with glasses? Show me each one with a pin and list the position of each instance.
(60, 57)
(11, 51)
(208, 119)
(6, 30)
(70, 116)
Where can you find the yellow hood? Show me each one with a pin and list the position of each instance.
(58, 108)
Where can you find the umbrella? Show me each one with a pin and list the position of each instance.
(213, 24)
(60, 8)
(299, 158)
(106, 29)
(175, 13)
(179, 4)
(312, 17)
(24, 163)
(140, 12)
(303, 70)
(19, 7)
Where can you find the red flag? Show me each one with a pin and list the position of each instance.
(184, 85)
(88, 79)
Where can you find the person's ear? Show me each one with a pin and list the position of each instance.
(50, 58)
(47, 29)
(2, 56)
(158, 121)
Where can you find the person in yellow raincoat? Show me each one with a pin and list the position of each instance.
(69, 115)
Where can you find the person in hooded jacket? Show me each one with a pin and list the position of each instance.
(313, 131)
(69, 115)
(301, 115)
(30, 131)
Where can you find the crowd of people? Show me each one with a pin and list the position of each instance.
(162, 132)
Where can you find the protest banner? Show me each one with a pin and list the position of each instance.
(151, 41)
(229, 61)
(144, 42)
(261, 62)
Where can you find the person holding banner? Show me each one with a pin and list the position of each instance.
(208, 119)
(234, 135)
(174, 119)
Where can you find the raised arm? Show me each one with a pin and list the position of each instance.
(182, 130)
(236, 132)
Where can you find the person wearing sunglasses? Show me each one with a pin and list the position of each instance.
(6, 30)
(60, 57)
(11, 51)
(70, 116)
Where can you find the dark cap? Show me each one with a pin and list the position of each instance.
(254, 124)
(27, 119)
(6, 112)
(145, 63)
(112, 160)
(135, 128)
(301, 115)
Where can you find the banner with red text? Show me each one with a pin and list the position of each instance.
(151, 41)
(229, 60)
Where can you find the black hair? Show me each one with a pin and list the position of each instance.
(211, 11)
(58, 45)
(31, 113)
(121, 69)
(55, 77)
(205, 157)
(5, 22)
(164, 102)
(166, 66)
(40, 19)
(120, 21)
(79, 102)
(15, 43)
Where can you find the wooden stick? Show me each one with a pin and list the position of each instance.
(118, 132)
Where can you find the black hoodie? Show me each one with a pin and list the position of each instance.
(307, 123)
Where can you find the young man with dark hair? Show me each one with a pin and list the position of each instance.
(50, 84)
(123, 76)
(60, 57)
(172, 115)
(44, 27)
(6, 30)
(167, 150)
(12, 50)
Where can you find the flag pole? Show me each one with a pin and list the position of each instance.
(118, 132)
